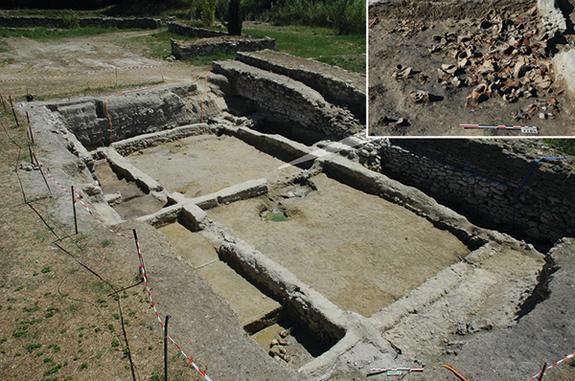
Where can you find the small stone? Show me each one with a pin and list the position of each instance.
(285, 333)
(419, 96)
(273, 343)
(402, 122)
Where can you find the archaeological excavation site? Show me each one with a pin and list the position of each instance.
(285, 245)
(471, 68)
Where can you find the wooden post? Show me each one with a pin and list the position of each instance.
(13, 111)
(74, 210)
(166, 347)
(3, 103)
(30, 129)
(542, 372)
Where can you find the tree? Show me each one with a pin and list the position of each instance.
(208, 12)
(234, 18)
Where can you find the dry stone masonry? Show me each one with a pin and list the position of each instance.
(215, 45)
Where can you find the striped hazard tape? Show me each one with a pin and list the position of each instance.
(144, 275)
(79, 198)
(551, 366)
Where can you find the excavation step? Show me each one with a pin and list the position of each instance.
(125, 196)
(287, 100)
(339, 86)
(246, 300)
(219, 45)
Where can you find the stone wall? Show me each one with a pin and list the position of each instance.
(190, 31)
(496, 183)
(284, 100)
(215, 45)
(100, 121)
(343, 88)
(54, 22)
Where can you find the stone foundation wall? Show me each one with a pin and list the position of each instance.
(53, 22)
(285, 100)
(497, 184)
(209, 46)
(190, 31)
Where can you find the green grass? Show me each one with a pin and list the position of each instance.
(47, 34)
(157, 45)
(322, 44)
(563, 146)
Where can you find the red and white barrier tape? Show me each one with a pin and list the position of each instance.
(144, 274)
(78, 197)
(551, 366)
(393, 371)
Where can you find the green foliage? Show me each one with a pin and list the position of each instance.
(564, 146)
(346, 16)
(322, 44)
(208, 12)
(45, 34)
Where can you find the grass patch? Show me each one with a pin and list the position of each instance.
(563, 146)
(322, 44)
(47, 34)
(156, 45)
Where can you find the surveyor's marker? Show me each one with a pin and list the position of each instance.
(524, 129)
(74, 209)
(393, 371)
(552, 365)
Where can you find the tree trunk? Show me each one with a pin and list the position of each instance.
(234, 18)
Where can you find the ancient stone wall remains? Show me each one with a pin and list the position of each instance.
(190, 31)
(497, 184)
(338, 86)
(54, 22)
(288, 101)
(215, 45)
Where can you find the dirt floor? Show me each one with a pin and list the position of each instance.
(358, 250)
(245, 300)
(204, 164)
(429, 72)
(85, 65)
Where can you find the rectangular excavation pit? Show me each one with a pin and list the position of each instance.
(262, 317)
(358, 250)
(203, 164)
(132, 201)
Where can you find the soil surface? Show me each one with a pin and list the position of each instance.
(422, 46)
(360, 251)
(200, 165)
(245, 300)
(86, 64)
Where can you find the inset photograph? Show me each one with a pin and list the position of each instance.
(471, 68)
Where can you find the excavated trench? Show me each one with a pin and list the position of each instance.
(310, 257)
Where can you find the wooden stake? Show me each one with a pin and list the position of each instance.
(74, 209)
(13, 111)
(542, 372)
(166, 347)
(30, 129)
(3, 103)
